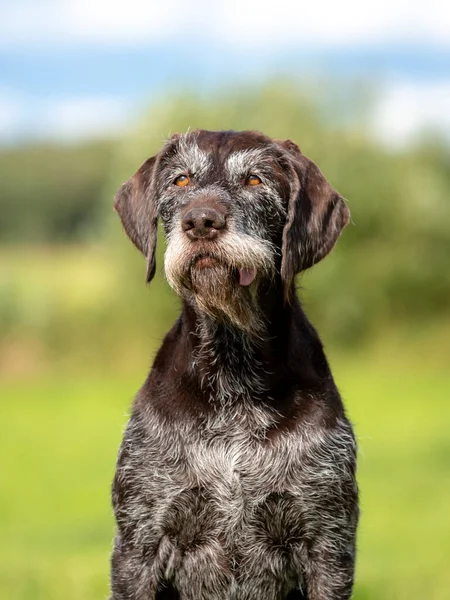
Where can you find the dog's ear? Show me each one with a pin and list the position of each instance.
(316, 215)
(136, 205)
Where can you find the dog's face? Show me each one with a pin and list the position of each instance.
(238, 208)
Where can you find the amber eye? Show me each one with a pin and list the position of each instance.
(181, 180)
(253, 180)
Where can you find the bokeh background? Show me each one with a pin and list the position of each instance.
(88, 90)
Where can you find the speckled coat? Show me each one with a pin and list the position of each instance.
(236, 476)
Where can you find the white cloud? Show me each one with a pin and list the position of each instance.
(66, 118)
(329, 22)
(85, 116)
(405, 110)
(134, 22)
(236, 22)
(11, 113)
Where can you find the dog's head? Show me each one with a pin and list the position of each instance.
(238, 208)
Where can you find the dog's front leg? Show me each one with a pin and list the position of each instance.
(329, 571)
(204, 574)
(133, 576)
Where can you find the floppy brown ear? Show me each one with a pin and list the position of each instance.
(136, 206)
(316, 215)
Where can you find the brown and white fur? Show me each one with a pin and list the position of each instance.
(236, 476)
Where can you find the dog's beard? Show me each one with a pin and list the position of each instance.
(217, 292)
(222, 278)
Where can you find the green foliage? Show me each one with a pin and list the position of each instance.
(59, 452)
(51, 193)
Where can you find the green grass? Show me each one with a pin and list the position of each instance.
(59, 441)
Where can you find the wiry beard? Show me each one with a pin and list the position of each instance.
(217, 292)
(208, 272)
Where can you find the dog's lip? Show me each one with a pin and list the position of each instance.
(244, 276)
(205, 261)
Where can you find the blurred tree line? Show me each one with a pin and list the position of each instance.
(390, 268)
(50, 193)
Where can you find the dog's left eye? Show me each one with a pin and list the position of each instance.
(253, 180)
(181, 180)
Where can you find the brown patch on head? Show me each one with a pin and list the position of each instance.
(224, 142)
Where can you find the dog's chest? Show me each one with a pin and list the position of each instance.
(235, 489)
(234, 484)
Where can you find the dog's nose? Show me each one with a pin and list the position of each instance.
(201, 222)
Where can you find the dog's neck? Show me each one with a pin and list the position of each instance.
(231, 363)
(227, 361)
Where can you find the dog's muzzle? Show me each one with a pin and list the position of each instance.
(202, 224)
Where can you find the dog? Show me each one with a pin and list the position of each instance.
(236, 476)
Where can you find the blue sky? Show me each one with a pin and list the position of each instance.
(75, 68)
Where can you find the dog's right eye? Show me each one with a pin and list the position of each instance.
(181, 180)
(253, 180)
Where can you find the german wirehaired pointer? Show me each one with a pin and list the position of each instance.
(236, 476)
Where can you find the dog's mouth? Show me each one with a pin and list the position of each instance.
(205, 261)
(243, 276)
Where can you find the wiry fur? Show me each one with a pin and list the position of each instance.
(225, 359)
(236, 475)
(216, 290)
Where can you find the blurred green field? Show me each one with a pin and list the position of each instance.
(59, 443)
